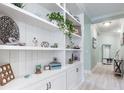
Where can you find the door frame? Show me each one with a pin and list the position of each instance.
(109, 45)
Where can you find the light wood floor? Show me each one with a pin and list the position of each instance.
(102, 78)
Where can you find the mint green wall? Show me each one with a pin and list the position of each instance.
(95, 52)
(87, 43)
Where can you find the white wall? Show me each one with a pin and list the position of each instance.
(94, 54)
(112, 38)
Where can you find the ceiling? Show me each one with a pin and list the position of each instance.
(114, 27)
(99, 12)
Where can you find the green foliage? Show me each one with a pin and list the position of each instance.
(63, 24)
(20, 5)
(56, 16)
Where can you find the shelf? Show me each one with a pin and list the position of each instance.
(73, 49)
(69, 16)
(73, 8)
(5, 47)
(34, 78)
(75, 35)
(22, 15)
(52, 7)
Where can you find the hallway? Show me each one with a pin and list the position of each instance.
(102, 78)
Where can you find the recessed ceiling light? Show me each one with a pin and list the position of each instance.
(107, 23)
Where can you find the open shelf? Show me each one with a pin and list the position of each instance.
(6, 47)
(53, 7)
(35, 78)
(22, 15)
(25, 58)
(75, 35)
(73, 49)
(69, 16)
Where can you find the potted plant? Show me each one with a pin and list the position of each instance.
(66, 25)
(55, 17)
(20, 5)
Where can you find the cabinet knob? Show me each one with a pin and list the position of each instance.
(77, 69)
(47, 86)
(50, 85)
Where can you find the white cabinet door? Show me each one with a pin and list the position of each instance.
(74, 77)
(41, 85)
(71, 78)
(79, 74)
(58, 82)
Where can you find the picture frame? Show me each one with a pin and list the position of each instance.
(94, 43)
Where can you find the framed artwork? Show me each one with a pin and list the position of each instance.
(94, 42)
(122, 39)
(9, 30)
(6, 74)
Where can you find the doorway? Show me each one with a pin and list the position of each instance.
(106, 53)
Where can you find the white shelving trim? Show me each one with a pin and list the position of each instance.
(6, 47)
(35, 78)
(30, 17)
(69, 16)
(73, 49)
(18, 13)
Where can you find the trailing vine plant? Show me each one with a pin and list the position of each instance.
(66, 25)
(20, 5)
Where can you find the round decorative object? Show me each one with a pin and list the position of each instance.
(2, 75)
(8, 29)
(1, 70)
(11, 76)
(4, 68)
(4, 80)
(8, 78)
(8, 67)
(6, 73)
(44, 44)
(9, 72)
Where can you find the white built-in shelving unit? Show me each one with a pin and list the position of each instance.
(32, 22)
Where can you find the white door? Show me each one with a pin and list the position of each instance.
(106, 53)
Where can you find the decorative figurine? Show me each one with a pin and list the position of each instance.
(68, 46)
(55, 45)
(47, 67)
(55, 64)
(70, 61)
(27, 76)
(38, 69)
(76, 47)
(45, 44)
(35, 42)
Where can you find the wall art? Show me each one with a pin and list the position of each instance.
(9, 30)
(94, 43)
(6, 74)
